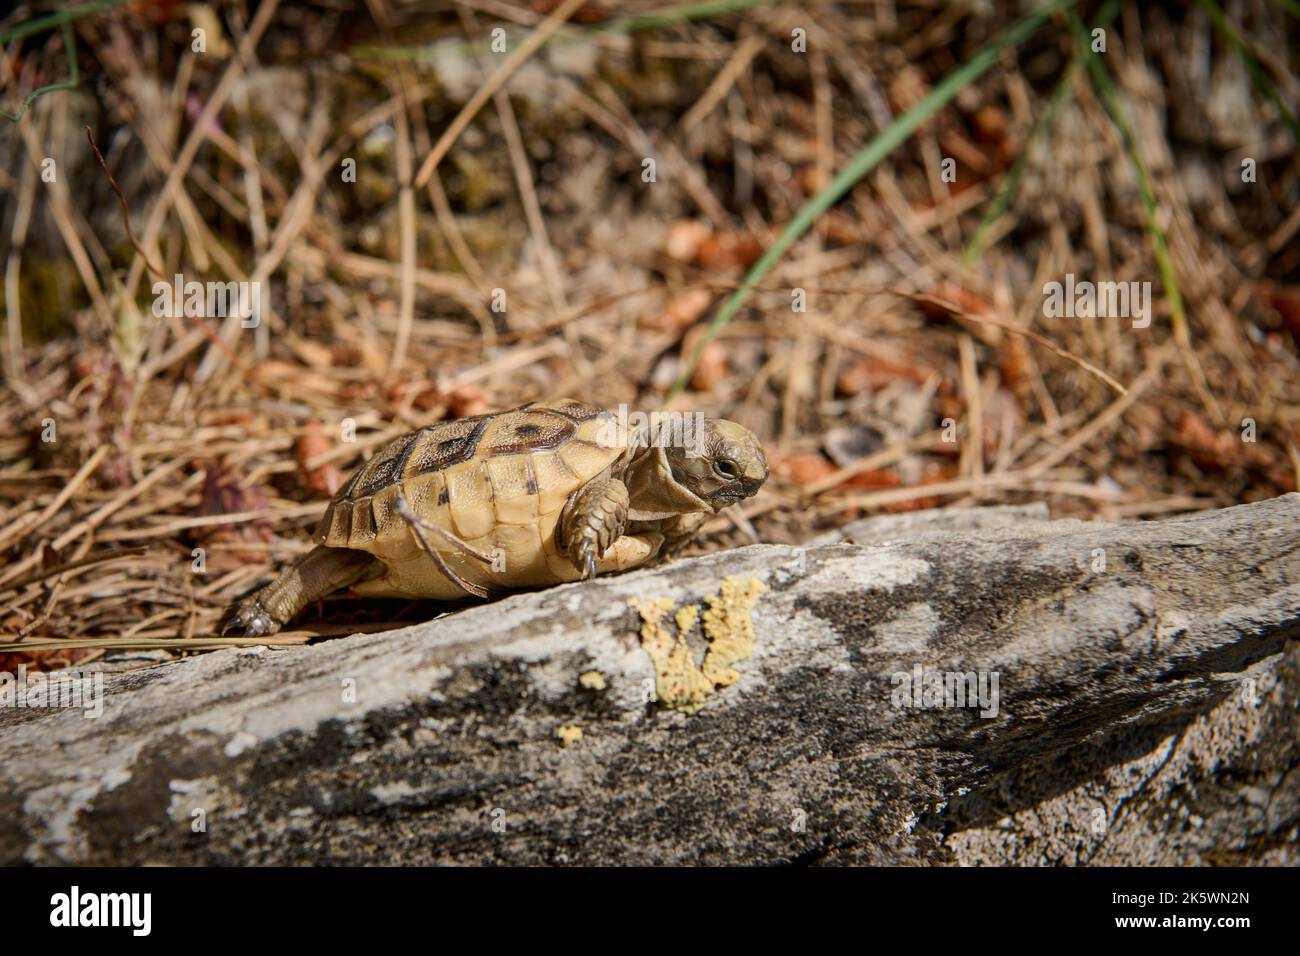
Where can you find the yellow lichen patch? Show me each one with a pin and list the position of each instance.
(729, 628)
(592, 680)
(569, 734)
(679, 684)
(685, 618)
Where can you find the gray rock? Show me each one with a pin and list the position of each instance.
(911, 524)
(1147, 676)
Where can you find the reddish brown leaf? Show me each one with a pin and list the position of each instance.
(684, 239)
(805, 469)
(680, 313)
(224, 493)
(874, 374)
(468, 400)
(728, 251)
(875, 479)
(324, 479)
(1014, 365)
(712, 369)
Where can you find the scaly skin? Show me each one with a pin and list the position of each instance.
(593, 519)
(319, 572)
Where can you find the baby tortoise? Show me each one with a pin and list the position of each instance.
(542, 494)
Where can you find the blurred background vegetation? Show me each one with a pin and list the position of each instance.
(832, 222)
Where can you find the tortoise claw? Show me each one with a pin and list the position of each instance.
(254, 619)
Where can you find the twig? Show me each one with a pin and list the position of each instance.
(126, 212)
(484, 93)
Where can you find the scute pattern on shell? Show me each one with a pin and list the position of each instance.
(436, 448)
(477, 477)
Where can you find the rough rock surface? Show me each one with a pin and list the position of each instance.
(1148, 676)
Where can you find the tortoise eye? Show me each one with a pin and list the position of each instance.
(726, 469)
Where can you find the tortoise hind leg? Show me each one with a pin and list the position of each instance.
(316, 574)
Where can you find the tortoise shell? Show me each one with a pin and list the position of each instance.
(498, 482)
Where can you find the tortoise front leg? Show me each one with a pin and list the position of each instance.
(319, 572)
(673, 533)
(680, 531)
(593, 519)
(630, 551)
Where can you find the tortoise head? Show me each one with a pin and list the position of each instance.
(725, 465)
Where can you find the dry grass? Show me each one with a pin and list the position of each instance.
(522, 173)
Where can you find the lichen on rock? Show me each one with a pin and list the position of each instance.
(568, 735)
(680, 683)
(729, 627)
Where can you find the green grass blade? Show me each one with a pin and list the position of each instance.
(1257, 73)
(1160, 244)
(40, 24)
(70, 45)
(1011, 182)
(690, 11)
(65, 19)
(866, 159)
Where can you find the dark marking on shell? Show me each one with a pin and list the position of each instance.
(575, 412)
(382, 470)
(381, 508)
(530, 476)
(405, 456)
(527, 432)
(442, 446)
(346, 491)
(363, 524)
